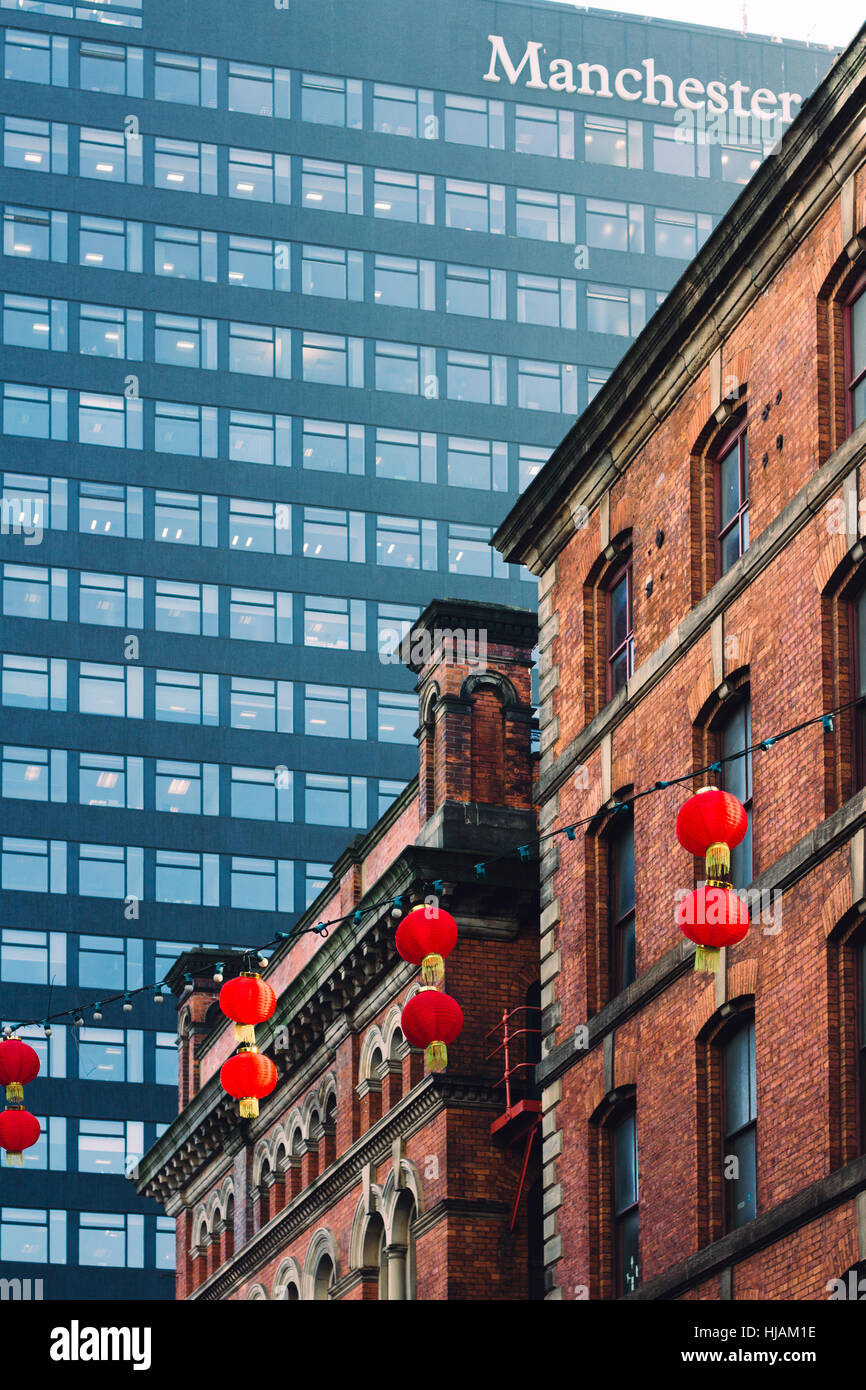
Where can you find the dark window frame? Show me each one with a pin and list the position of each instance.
(851, 382)
(622, 1218)
(732, 707)
(742, 1021)
(736, 437)
(623, 571)
(859, 711)
(619, 926)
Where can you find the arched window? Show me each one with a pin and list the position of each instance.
(610, 903)
(623, 1138)
(734, 731)
(731, 467)
(621, 927)
(620, 627)
(613, 1179)
(855, 355)
(739, 1123)
(373, 1255)
(324, 1278)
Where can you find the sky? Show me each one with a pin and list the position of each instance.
(832, 21)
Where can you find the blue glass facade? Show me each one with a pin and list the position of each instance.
(270, 335)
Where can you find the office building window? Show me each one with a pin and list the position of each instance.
(330, 359)
(32, 1236)
(316, 880)
(544, 216)
(393, 623)
(401, 110)
(51, 1051)
(332, 272)
(611, 140)
(403, 197)
(547, 300)
(184, 166)
(39, 147)
(191, 789)
(34, 682)
(474, 121)
(185, 342)
(31, 592)
(732, 491)
(165, 1059)
(49, 1151)
(112, 600)
(530, 461)
(107, 243)
(476, 376)
(260, 615)
(192, 879)
(30, 503)
(335, 711)
(112, 1241)
(330, 534)
(625, 1202)
(257, 438)
(388, 793)
(185, 697)
(540, 130)
(110, 68)
(109, 422)
(613, 226)
(259, 176)
(404, 367)
(109, 1054)
(469, 550)
(547, 386)
(185, 518)
(741, 160)
(34, 323)
(191, 609)
(331, 447)
(261, 793)
(335, 800)
(331, 100)
(263, 705)
(184, 429)
(36, 235)
(404, 283)
(109, 1146)
(34, 774)
(110, 871)
(166, 1242)
(406, 542)
(104, 331)
(675, 151)
(184, 254)
(739, 1124)
(185, 78)
(406, 455)
(115, 691)
(398, 717)
(334, 622)
(109, 779)
(258, 263)
(260, 526)
(260, 349)
(330, 187)
(109, 154)
(474, 207)
(259, 91)
(478, 463)
(474, 291)
(110, 962)
(32, 957)
(681, 234)
(34, 412)
(615, 309)
(36, 57)
(262, 885)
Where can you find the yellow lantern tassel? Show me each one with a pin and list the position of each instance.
(14, 1091)
(718, 860)
(14, 1160)
(245, 1033)
(436, 1056)
(433, 970)
(249, 1108)
(707, 958)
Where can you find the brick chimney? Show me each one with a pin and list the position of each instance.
(473, 662)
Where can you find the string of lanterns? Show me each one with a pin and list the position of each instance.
(712, 823)
(248, 1076)
(431, 1018)
(19, 1130)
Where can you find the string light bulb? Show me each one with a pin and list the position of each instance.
(127, 1004)
(159, 997)
(78, 1020)
(218, 973)
(97, 1013)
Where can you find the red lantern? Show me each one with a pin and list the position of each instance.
(19, 1065)
(713, 916)
(431, 1020)
(247, 1000)
(425, 935)
(712, 822)
(249, 1077)
(18, 1130)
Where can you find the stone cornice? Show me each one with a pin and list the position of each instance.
(432, 1095)
(805, 1206)
(786, 196)
(762, 552)
(828, 837)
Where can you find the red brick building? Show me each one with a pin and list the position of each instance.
(364, 1176)
(698, 538)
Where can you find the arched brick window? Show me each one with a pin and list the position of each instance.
(611, 947)
(608, 625)
(614, 1179)
(843, 615)
(730, 461)
(841, 353)
(727, 1121)
(723, 734)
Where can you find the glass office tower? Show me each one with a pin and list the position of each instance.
(297, 298)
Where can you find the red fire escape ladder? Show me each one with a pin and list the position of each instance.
(522, 1118)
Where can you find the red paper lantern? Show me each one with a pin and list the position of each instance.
(19, 1130)
(431, 1020)
(424, 937)
(19, 1065)
(247, 1000)
(712, 822)
(713, 916)
(249, 1077)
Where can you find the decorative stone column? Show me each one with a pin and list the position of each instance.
(396, 1272)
